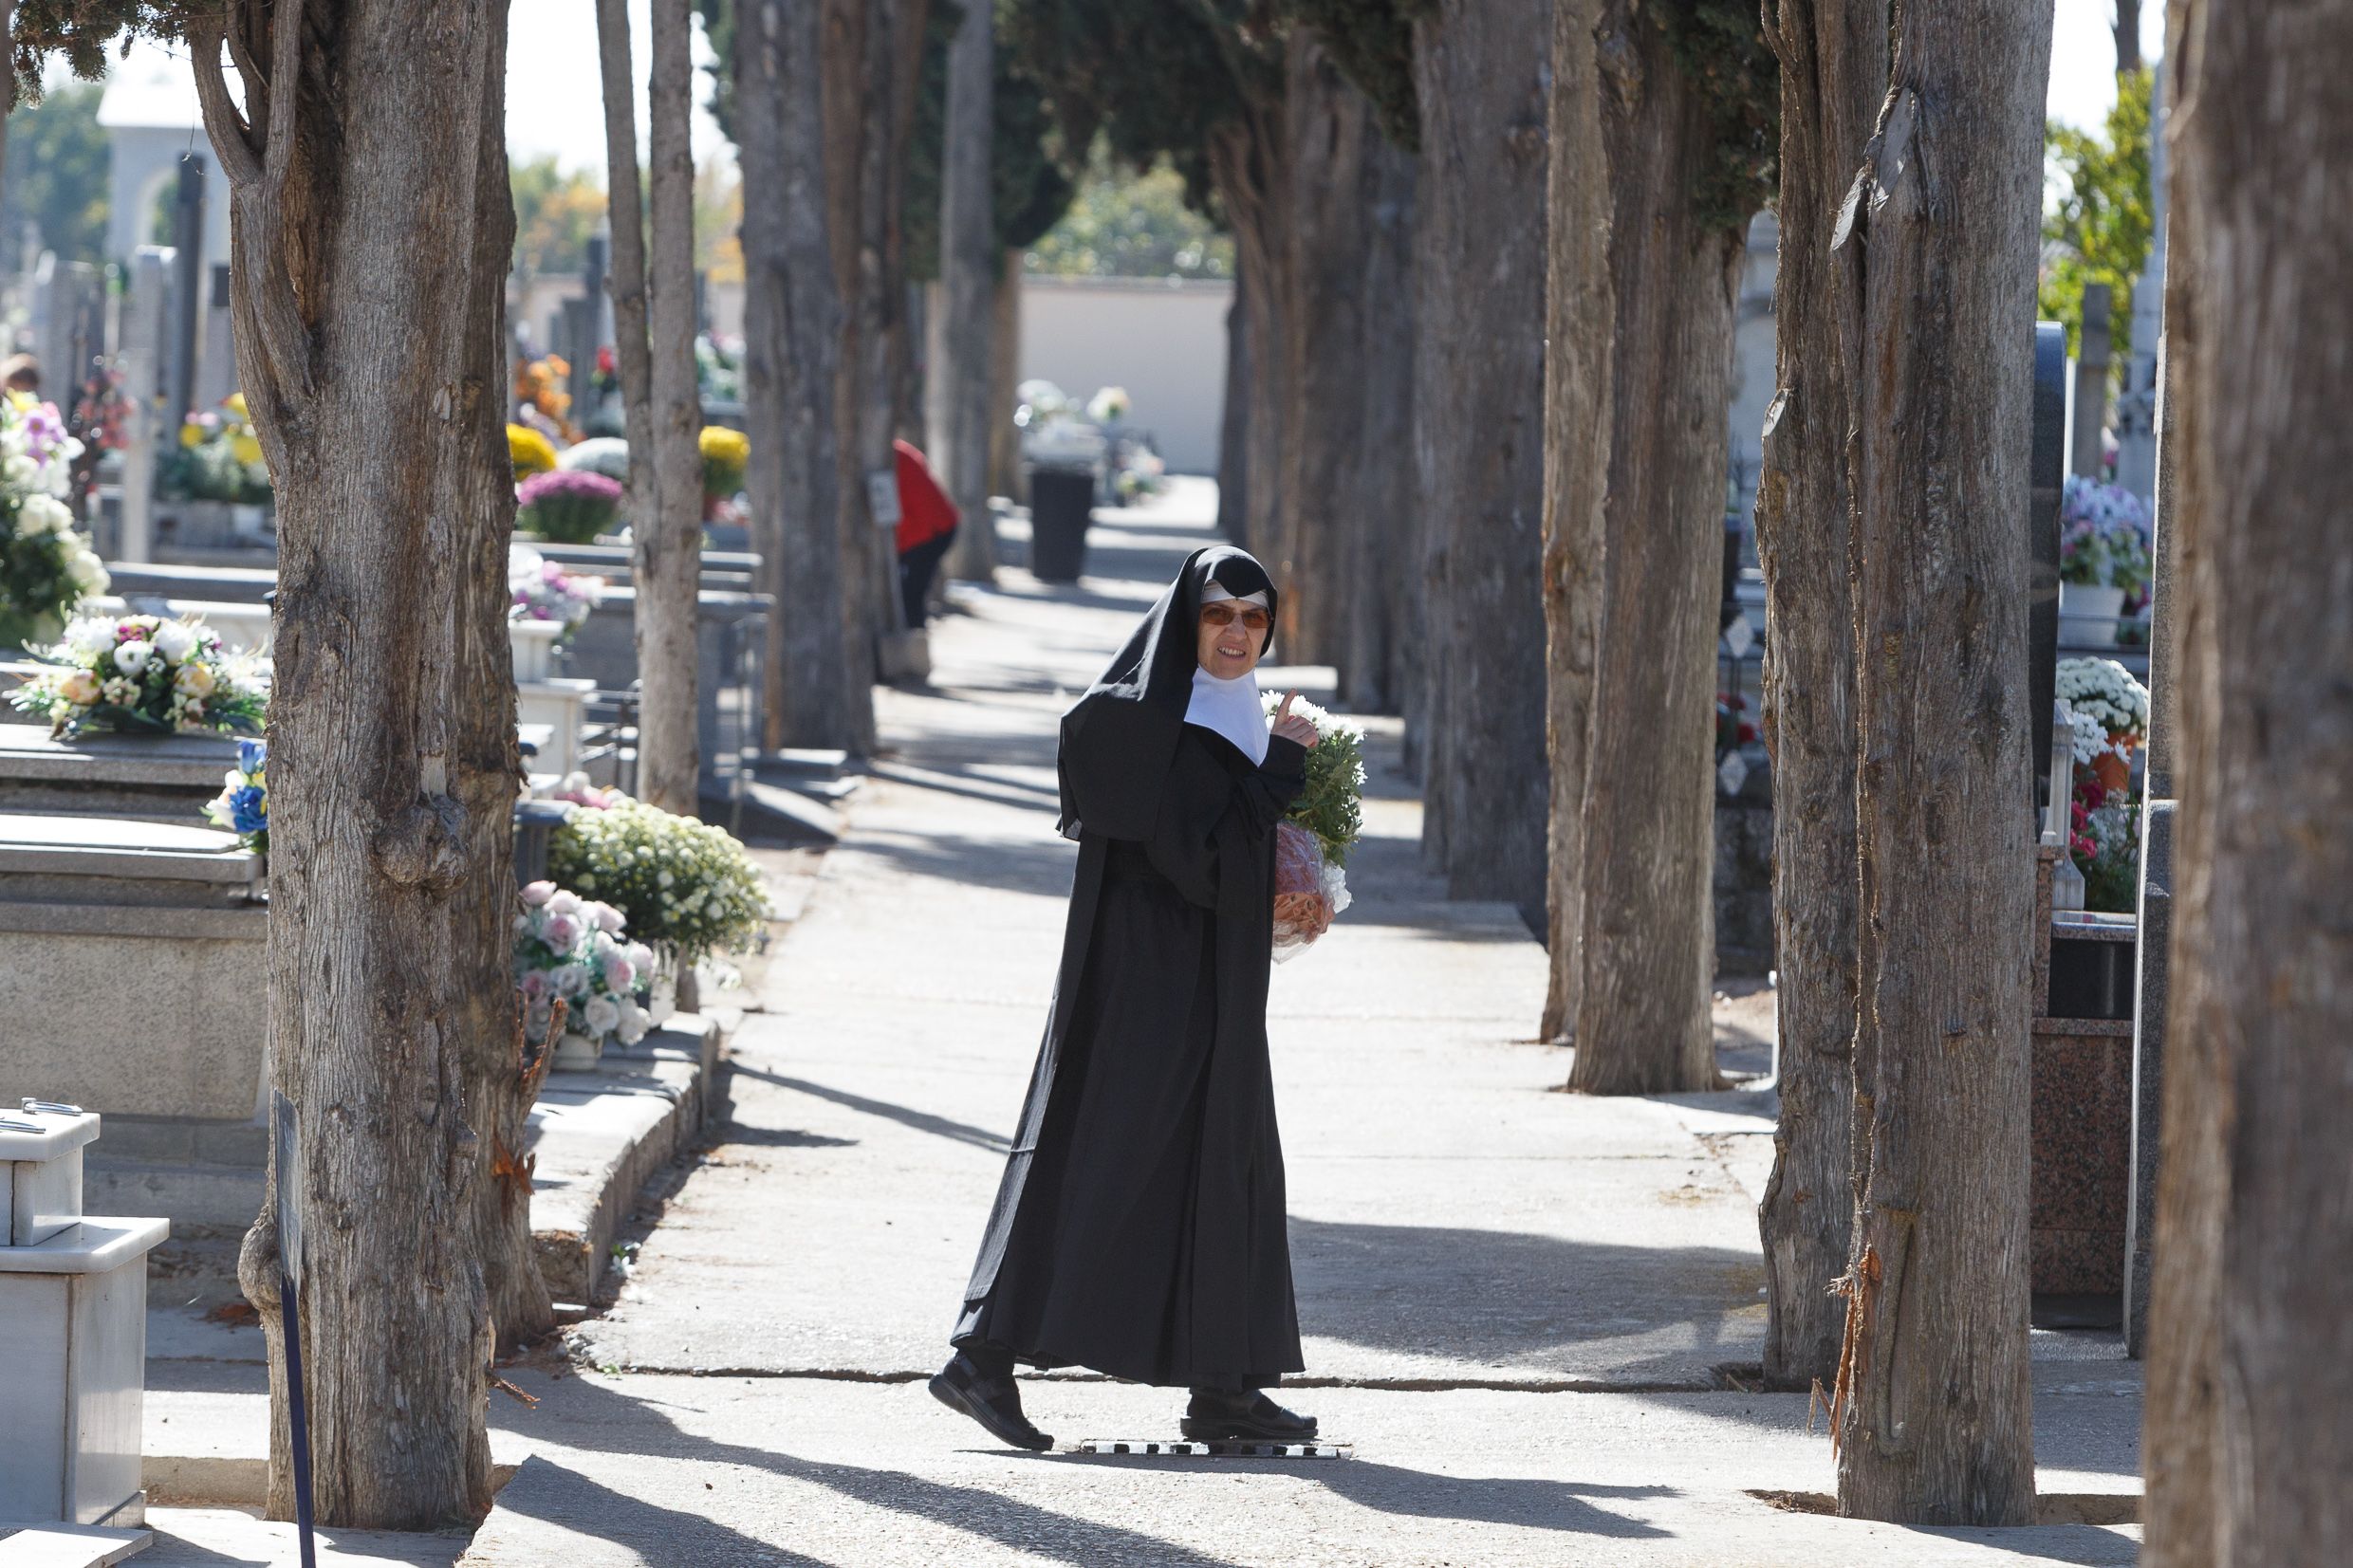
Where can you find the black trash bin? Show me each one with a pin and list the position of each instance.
(1061, 502)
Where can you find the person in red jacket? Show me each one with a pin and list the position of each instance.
(927, 526)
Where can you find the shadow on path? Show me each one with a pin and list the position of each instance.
(922, 1121)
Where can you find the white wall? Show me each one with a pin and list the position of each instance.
(1163, 340)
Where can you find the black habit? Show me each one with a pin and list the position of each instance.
(1140, 1228)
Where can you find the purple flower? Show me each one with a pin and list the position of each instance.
(568, 485)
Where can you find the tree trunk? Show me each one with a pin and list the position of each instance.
(1251, 162)
(1381, 536)
(1833, 72)
(1478, 392)
(370, 234)
(625, 278)
(2127, 36)
(861, 75)
(1005, 476)
(791, 337)
(962, 368)
(1233, 420)
(1331, 134)
(667, 551)
(1647, 366)
(1935, 252)
(2250, 1354)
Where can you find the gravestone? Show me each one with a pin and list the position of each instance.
(133, 777)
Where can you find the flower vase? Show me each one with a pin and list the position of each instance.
(577, 1052)
(2113, 767)
(2087, 614)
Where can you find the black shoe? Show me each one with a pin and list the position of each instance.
(995, 1402)
(1247, 1416)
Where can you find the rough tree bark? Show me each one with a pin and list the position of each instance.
(667, 544)
(1833, 73)
(961, 373)
(1005, 476)
(1478, 392)
(1380, 529)
(1331, 132)
(1234, 421)
(1647, 374)
(1250, 159)
(2251, 1348)
(861, 65)
(791, 339)
(1936, 250)
(367, 177)
(626, 277)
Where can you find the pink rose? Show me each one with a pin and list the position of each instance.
(536, 894)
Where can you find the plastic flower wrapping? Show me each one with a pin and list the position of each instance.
(2104, 536)
(681, 883)
(142, 675)
(46, 568)
(543, 591)
(241, 808)
(604, 454)
(2109, 707)
(570, 505)
(1313, 840)
(579, 950)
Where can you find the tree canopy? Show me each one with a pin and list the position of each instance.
(1030, 181)
(2097, 218)
(1125, 225)
(56, 176)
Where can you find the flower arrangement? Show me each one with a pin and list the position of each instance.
(218, 458)
(2103, 691)
(535, 390)
(241, 808)
(681, 883)
(2104, 536)
(543, 591)
(1108, 406)
(1315, 837)
(719, 368)
(577, 951)
(604, 454)
(570, 505)
(46, 568)
(726, 454)
(141, 674)
(529, 452)
(2103, 840)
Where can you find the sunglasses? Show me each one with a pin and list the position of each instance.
(1225, 615)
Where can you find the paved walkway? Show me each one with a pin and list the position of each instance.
(1516, 1301)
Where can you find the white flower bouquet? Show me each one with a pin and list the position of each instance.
(1312, 842)
(2104, 692)
(142, 675)
(681, 883)
(576, 951)
(46, 568)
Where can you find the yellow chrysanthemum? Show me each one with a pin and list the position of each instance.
(726, 453)
(191, 434)
(234, 403)
(530, 451)
(246, 447)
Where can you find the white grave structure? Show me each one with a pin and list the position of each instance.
(73, 1331)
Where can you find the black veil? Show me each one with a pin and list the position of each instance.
(1119, 739)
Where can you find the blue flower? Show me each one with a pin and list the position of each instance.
(248, 809)
(249, 755)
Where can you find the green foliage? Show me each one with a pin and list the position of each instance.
(1030, 186)
(1133, 226)
(57, 174)
(1372, 43)
(556, 214)
(81, 31)
(2097, 216)
(719, 29)
(1720, 44)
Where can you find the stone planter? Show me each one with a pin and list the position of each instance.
(2087, 615)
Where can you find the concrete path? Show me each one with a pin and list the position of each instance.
(1520, 1305)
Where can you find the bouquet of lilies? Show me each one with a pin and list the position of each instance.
(1312, 842)
(141, 674)
(577, 951)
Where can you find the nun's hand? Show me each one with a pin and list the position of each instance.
(1293, 727)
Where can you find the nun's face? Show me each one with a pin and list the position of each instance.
(1232, 635)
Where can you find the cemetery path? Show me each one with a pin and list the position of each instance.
(1516, 1301)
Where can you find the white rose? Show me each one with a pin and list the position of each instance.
(18, 470)
(175, 640)
(40, 515)
(601, 1015)
(88, 572)
(564, 901)
(132, 656)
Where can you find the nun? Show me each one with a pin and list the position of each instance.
(1140, 1227)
